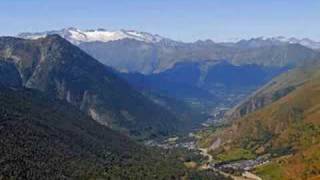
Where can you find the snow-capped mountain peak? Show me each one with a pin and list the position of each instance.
(263, 41)
(77, 36)
(305, 41)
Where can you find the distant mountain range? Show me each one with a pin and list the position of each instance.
(315, 45)
(305, 42)
(78, 36)
(132, 51)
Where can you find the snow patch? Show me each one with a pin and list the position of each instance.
(77, 36)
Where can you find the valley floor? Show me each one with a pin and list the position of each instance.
(207, 162)
(242, 164)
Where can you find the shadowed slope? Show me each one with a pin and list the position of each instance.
(56, 67)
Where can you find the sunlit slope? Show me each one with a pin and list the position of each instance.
(274, 90)
(288, 126)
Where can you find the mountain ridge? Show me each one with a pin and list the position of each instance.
(149, 37)
(55, 66)
(148, 57)
(77, 36)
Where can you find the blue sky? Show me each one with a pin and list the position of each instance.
(186, 20)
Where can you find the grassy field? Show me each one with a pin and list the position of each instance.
(235, 154)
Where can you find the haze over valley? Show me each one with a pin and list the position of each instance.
(153, 100)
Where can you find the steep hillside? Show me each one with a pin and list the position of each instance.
(274, 90)
(45, 138)
(38, 133)
(288, 126)
(9, 76)
(55, 66)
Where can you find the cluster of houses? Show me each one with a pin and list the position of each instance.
(243, 165)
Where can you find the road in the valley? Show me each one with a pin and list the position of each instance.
(246, 175)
